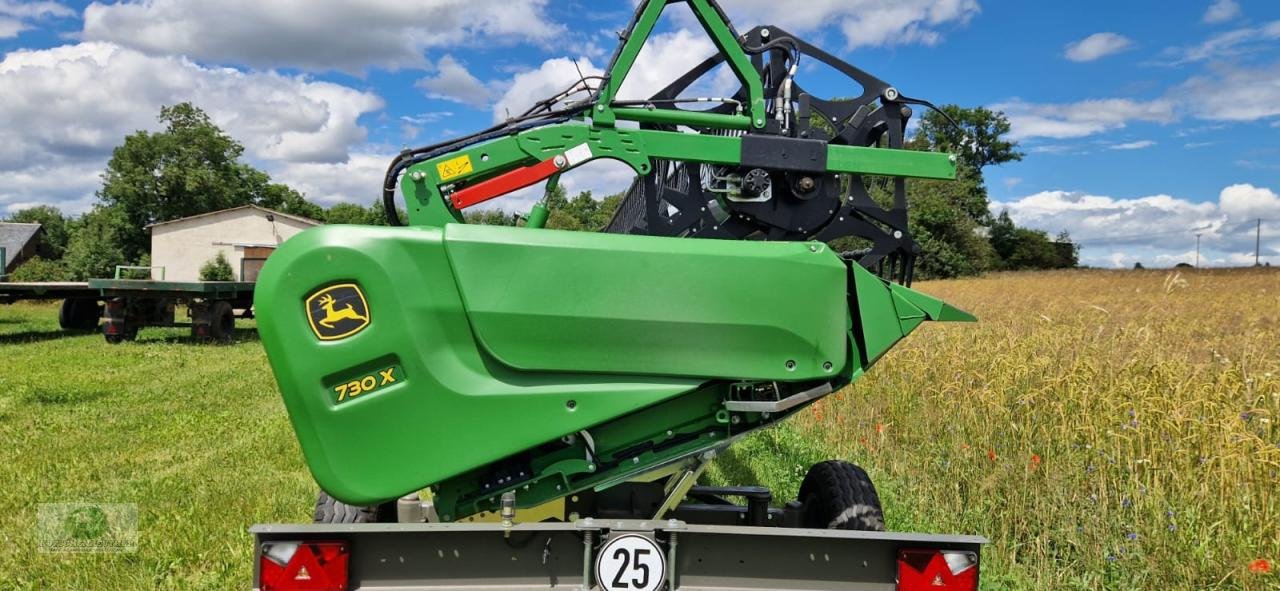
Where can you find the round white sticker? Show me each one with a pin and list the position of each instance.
(631, 562)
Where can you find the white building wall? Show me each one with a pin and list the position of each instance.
(182, 247)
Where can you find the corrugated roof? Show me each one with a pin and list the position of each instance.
(14, 237)
(282, 214)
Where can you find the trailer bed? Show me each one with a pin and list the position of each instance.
(11, 292)
(119, 287)
(101, 288)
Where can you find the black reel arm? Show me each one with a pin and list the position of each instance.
(763, 200)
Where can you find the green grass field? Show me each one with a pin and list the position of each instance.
(1105, 430)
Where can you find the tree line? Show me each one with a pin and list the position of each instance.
(192, 167)
(189, 168)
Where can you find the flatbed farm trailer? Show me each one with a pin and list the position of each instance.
(123, 306)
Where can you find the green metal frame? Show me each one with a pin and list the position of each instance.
(426, 190)
(725, 40)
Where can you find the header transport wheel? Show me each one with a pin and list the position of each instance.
(839, 495)
(331, 510)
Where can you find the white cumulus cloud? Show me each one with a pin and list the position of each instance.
(1244, 201)
(1138, 145)
(314, 34)
(1080, 119)
(1233, 93)
(452, 81)
(864, 23)
(16, 16)
(665, 57)
(1226, 44)
(1155, 229)
(356, 180)
(71, 105)
(1221, 11)
(1097, 45)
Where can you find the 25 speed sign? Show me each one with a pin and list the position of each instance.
(631, 562)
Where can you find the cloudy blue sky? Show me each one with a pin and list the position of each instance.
(1144, 122)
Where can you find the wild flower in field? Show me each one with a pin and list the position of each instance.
(991, 454)
(1131, 536)
(880, 428)
(1260, 566)
(1035, 461)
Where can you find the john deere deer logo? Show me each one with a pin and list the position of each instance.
(337, 311)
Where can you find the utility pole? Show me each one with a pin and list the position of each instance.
(1197, 251)
(1257, 245)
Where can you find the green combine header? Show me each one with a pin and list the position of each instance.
(568, 375)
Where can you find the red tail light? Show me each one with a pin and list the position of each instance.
(304, 566)
(937, 570)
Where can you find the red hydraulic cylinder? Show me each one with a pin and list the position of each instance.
(507, 182)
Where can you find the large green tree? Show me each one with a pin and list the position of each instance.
(96, 244)
(352, 213)
(978, 136)
(951, 219)
(189, 168)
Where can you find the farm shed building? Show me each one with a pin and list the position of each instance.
(246, 235)
(18, 243)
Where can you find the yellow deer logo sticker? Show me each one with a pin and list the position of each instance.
(338, 311)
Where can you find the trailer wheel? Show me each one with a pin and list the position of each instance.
(222, 321)
(79, 314)
(120, 337)
(839, 495)
(331, 510)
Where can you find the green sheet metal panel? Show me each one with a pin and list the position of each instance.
(570, 324)
(547, 300)
(451, 408)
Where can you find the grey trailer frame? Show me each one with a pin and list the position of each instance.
(560, 555)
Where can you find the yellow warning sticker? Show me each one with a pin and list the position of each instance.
(454, 167)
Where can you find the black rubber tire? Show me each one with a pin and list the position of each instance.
(222, 321)
(839, 495)
(116, 339)
(79, 314)
(331, 510)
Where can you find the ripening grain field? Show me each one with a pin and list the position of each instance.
(1105, 430)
